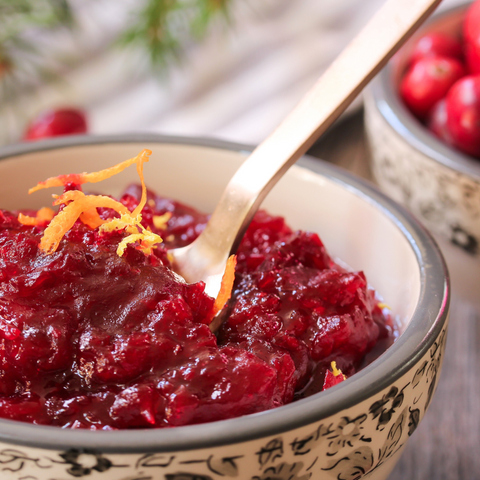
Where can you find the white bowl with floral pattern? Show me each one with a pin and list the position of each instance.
(356, 429)
(437, 183)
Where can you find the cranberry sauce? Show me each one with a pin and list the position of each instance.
(89, 339)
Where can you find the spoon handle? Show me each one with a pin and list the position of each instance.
(330, 96)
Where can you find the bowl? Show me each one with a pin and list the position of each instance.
(437, 183)
(355, 428)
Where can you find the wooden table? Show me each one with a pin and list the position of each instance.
(446, 445)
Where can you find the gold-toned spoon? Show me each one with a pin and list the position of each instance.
(367, 53)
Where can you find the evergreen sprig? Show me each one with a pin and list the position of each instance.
(22, 64)
(165, 27)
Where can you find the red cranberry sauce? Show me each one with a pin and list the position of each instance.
(92, 340)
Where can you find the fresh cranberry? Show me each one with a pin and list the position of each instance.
(471, 34)
(436, 44)
(471, 24)
(463, 111)
(437, 122)
(472, 57)
(331, 380)
(427, 81)
(53, 123)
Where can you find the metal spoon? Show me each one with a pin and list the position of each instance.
(206, 257)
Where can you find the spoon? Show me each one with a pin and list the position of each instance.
(366, 54)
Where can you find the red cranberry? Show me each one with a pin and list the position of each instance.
(471, 33)
(463, 110)
(472, 56)
(471, 25)
(53, 123)
(437, 122)
(427, 81)
(436, 44)
(331, 380)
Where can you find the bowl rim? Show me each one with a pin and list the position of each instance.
(403, 122)
(429, 318)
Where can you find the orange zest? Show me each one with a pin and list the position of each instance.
(147, 240)
(44, 215)
(336, 371)
(382, 305)
(131, 221)
(94, 177)
(160, 221)
(91, 218)
(226, 286)
(65, 219)
(84, 207)
(142, 157)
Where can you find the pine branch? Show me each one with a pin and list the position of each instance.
(165, 27)
(22, 64)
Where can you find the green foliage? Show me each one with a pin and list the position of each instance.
(164, 27)
(18, 16)
(22, 64)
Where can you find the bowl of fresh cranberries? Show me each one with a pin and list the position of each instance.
(423, 121)
(335, 319)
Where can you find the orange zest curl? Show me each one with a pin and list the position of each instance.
(160, 221)
(65, 219)
(84, 207)
(44, 215)
(81, 178)
(91, 218)
(141, 158)
(147, 240)
(138, 233)
(382, 305)
(336, 371)
(226, 286)
(131, 221)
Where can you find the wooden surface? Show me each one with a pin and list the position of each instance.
(446, 445)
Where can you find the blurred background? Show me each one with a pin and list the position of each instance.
(230, 69)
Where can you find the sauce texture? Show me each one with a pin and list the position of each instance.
(90, 339)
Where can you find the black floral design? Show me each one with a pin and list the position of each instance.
(139, 476)
(304, 445)
(346, 433)
(436, 357)
(386, 407)
(186, 476)
(284, 471)
(12, 460)
(413, 420)
(224, 466)
(464, 239)
(270, 452)
(84, 462)
(154, 460)
(392, 442)
(419, 374)
(352, 466)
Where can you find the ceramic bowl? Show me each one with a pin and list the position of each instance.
(357, 428)
(439, 184)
